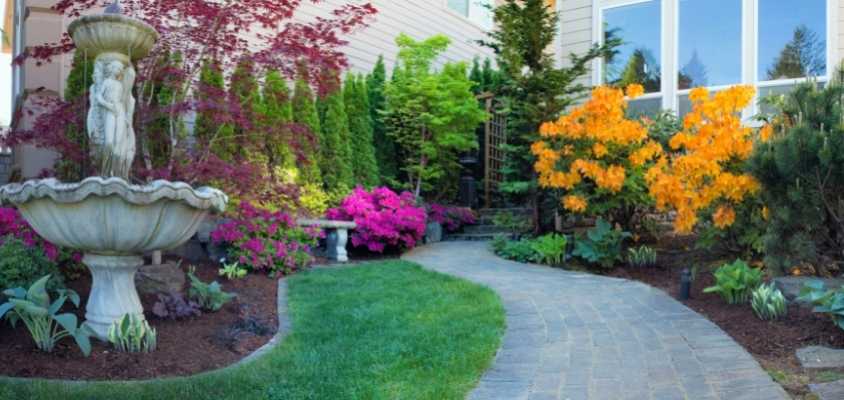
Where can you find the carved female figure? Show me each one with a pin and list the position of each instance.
(95, 134)
(109, 117)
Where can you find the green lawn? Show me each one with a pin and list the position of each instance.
(384, 330)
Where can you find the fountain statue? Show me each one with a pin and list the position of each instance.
(112, 222)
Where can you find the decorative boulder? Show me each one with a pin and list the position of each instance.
(160, 278)
(791, 285)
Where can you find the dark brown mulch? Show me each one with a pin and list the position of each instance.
(772, 343)
(185, 347)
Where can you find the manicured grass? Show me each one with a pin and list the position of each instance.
(384, 330)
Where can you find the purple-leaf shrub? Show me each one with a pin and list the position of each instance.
(383, 218)
(452, 218)
(268, 241)
(175, 306)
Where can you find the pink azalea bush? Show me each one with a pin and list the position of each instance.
(383, 218)
(450, 217)
(12, 225)
(262, 240)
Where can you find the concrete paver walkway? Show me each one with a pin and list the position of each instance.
(579, 336)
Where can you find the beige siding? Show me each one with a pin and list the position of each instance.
(417, 18)
(840, 33)
(575, 29)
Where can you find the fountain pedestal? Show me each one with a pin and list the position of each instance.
(113, 293)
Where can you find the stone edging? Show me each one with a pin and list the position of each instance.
(284, 327)
(202, 198)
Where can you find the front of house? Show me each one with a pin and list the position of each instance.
(669, 46)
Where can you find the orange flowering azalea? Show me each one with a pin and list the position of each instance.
(595, 150)
(575, 204)
(712, 142)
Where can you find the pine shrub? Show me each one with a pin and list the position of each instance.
(800, 165)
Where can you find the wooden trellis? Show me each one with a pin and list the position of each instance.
(495, 137)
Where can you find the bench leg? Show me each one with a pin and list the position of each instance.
(335, 243)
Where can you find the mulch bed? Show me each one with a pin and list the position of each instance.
(185, 347)
(772, 343)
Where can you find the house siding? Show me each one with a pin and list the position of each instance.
(417, 18)
(575, 30)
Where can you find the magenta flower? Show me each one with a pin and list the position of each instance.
(264, 240)
(383, 218)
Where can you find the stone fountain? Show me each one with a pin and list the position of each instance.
(112, 222)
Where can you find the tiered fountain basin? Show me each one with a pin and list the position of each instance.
(113, 223)
(114, 34)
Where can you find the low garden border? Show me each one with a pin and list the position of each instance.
(285, 326)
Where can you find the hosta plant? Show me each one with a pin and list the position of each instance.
(829, 302)
(209, 296)
(41, 316)
(642, 256)
(601, 245)
(550, 249)
(516, 250)
(132, 334)
(768, 302)
(735, 282)
(233, 271)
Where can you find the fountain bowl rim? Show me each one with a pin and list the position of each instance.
(86, 20)
(203, 198)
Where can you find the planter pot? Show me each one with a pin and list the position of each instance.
(433, 232)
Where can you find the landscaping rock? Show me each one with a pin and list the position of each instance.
(820, 357)
(791, 285)
(163, 278)
(828, 391)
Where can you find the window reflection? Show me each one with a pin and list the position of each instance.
(709, 53)
(791, 39)
(461, 6)
(637, 60)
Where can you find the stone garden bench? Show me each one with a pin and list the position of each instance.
(336, 236)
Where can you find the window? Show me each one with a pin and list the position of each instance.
(476, 11)
(709, 53)
(671, 46)
(460, 6)
(637, 59)
(792, 39)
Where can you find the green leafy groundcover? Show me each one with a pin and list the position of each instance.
(383, 330)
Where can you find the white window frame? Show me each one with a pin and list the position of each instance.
(670, 18)
(471, 16)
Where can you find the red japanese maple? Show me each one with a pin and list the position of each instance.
(193, 31)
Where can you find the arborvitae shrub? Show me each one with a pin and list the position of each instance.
(364, 166)
(385, 148)
(305, 114)
(335, 148)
